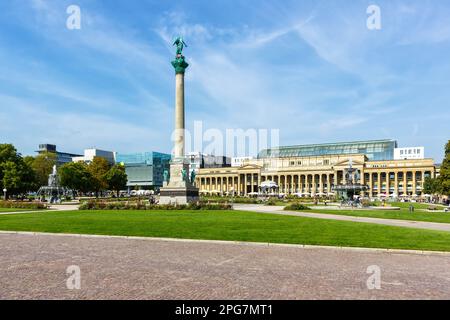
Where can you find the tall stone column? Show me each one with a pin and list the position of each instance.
(388, 183)
(329, 183)
(321, 184)
(405, 182)
(239, 185)
(396, 187)
(179, 116)
(245, 184)
(380, 183)
(286, 184)
(179, 189)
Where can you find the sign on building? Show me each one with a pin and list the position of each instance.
(409, 153)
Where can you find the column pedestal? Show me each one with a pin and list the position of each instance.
(178, 190)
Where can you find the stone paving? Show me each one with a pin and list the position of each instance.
(388, 222)
(34, 267)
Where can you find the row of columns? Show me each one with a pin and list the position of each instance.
(244, 184)
(397, 182)
(321, 183)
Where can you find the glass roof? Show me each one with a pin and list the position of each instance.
(375, 150)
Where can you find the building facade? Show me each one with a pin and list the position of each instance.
(198, 160)
(90, 154)
(145, 170)
(239, 161)
(61, 157)
(314, 171)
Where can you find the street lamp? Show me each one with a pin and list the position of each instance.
(4, 193)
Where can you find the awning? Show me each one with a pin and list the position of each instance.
(269, 184)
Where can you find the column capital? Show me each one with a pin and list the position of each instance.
(180, 64)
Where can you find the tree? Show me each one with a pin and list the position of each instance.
(431, 186)
(30, 175)
(444, 177)
(98, 169)
(16, 174)
(8, 153)
(117, 178)
(75, 176)
(43, 166)
(11, 177)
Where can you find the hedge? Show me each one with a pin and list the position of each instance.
(297, 207)
(22, 205)
(102, 205)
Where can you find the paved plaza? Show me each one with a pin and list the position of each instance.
(34, 267)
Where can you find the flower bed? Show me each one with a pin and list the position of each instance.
(103, 205)
(22, 205)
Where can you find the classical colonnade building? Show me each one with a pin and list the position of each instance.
(314, 170)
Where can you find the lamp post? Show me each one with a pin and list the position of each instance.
(4, 193)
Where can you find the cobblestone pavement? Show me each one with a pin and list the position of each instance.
(326, 216)
(34, 267)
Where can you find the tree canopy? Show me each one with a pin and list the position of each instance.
(75, 176)
(444, 177)
(98, 169)
(117, 178)
(43, 165)
(16, 175)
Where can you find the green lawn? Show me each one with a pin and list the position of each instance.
(402, 214)
(228, 225)
(405, 205)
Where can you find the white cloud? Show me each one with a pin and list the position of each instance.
(75, 129)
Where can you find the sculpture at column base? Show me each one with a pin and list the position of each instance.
(179, 190)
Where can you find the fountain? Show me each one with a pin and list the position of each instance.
(53, 192)
(352, 187)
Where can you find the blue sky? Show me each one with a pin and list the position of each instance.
(309, 68)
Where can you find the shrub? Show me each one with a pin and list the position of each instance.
(366, 203)
(121, 205)
(296, 207)
(243, 200)
(23, 205)
(271, 202)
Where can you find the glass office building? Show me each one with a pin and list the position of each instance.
(145, 170)
(61, 157)
(374, 150)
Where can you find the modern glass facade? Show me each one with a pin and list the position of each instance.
(145, 169)
(61, 157)
(374, 150)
